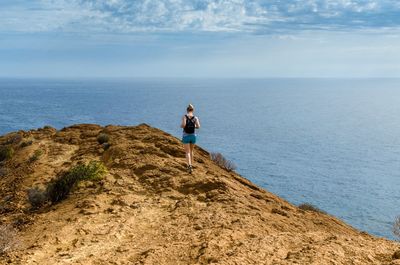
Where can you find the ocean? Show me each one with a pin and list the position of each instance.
(334, 143)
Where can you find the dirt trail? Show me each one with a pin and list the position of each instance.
(149, 210)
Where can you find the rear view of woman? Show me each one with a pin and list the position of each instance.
(189, 124)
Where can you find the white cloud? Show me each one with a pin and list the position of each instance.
(262, 16)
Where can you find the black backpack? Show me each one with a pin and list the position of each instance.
(190, 125)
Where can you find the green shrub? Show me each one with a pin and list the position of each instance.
(6, 152)
(103, 138)
(396, 227)
(59, 188)
(310, 207)
(26, 143)
(47, 127)
(221, 161)
(94, 171)
(37, 197)
(36, 155)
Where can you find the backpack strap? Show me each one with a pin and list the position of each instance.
(191, 119)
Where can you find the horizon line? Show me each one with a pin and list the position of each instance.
(196, 77)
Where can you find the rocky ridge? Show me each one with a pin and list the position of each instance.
(148, 210)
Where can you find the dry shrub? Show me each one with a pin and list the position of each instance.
(103, 138)
(310, 207)
(221, 161)
(8, 238)
(396, 227)
(37, 197)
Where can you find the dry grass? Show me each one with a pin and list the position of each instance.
(37, 197)
(221, 161)
(310, 207)
(8, 238)
(396, 227)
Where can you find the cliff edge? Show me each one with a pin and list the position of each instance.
(148, 210)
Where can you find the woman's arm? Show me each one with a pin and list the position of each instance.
(183, 123)
(197, 124)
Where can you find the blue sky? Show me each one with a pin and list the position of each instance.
(194, 38)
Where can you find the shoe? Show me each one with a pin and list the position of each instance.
(190, 169)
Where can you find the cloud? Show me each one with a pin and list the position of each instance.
(262, 16)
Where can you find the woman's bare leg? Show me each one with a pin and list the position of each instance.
(191, 153)
(187, 152)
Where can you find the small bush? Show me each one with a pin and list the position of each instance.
(8, 238)
(6, 152)
(26, 143)
(221, 161)
(59, 188)
(396, 227)
(103, 138)
(47, 127)
(310, 207)
(94, 171)
(36, 155)
(37, 197)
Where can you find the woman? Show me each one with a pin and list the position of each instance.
(189, 124)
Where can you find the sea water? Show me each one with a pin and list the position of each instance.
(334, 143)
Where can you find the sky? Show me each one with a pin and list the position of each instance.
(199, 38)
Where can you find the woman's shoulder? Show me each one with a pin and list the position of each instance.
(185, 116)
